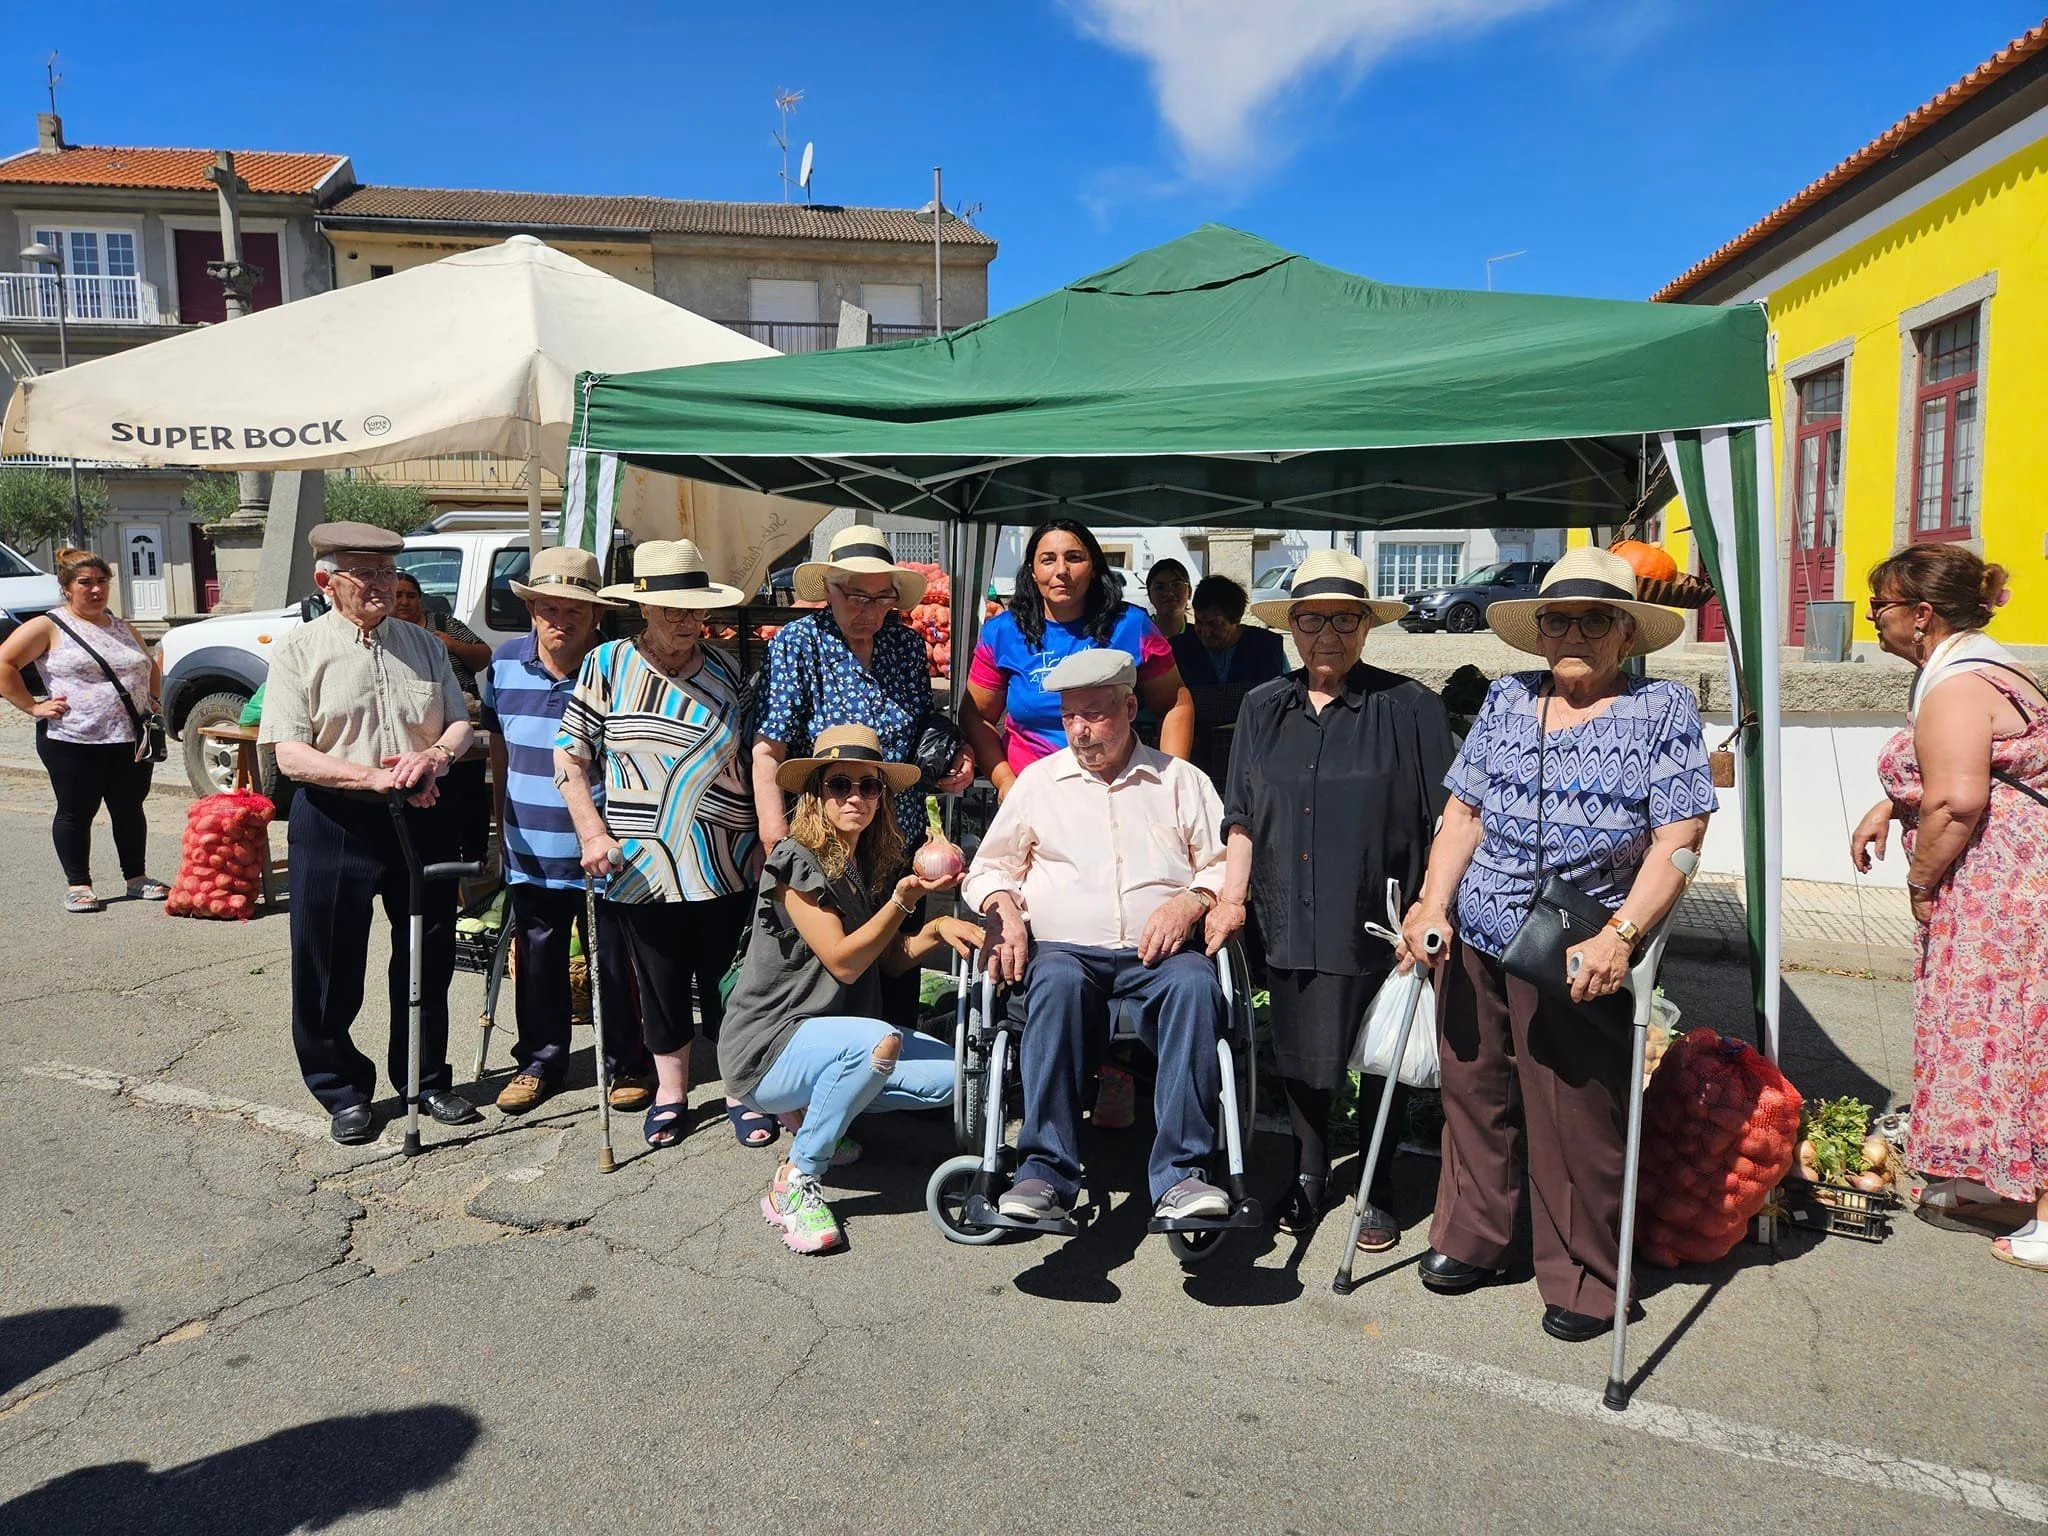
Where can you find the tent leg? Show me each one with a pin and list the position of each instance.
(533, 534)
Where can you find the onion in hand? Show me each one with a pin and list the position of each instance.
(939, 858)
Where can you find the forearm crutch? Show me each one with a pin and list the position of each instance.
(1344, 1284)
(1642, 985)
(494, 978)
(593, 972)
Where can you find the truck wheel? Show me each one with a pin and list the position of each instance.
(1462, 620)
(210, 765)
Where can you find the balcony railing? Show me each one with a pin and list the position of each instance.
(88, 300)
(815, 335)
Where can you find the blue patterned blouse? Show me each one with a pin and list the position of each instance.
(815, 682)
(1608, 783)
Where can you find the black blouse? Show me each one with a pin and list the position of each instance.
(1336, 804)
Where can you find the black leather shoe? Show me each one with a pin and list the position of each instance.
(449, 1107)
(1303, 1212)
(353, 1126)
(1574, 1327)
(1449, 1276)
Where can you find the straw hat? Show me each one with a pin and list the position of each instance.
(672, 574)
(563, 570)
(1587, 575)
(858, 551)
(1329, 573)
(853, 745)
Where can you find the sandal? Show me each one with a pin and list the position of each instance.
(664, 1125)
(80, 898)
(1379, 1231)
(750, 1127)
(147, 889)
(2025, 1249)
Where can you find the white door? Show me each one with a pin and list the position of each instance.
(142, 552)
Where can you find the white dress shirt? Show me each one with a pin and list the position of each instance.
(1091, 859)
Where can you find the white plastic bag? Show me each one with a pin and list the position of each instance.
(1390, 1006)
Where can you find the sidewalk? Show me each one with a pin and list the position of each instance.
(1827, 927)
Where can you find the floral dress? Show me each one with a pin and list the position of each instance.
(1980, 982)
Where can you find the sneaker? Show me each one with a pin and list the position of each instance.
(522, 1093)
(1116, 1098)
(630, 1094)
(1032, 1200)
(799, 1209)
(1192, 1198)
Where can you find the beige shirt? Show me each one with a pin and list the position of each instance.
(360, 698)
(1090, 860)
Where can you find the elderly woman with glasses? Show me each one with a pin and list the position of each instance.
(1333, 789)
(652, 719)
(802, 1038)
(1587, 774)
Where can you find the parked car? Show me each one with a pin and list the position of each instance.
(213, 667)
(26, 590)
(1461, 606)
(1275, 581)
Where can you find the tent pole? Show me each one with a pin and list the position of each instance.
(533, 535)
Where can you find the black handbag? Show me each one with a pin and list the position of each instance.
(1560, 916)
(935, 747)
(150, 745)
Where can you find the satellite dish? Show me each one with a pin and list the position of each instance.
(803, 174)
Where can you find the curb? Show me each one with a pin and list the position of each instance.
(169, 789)
(1886, 962)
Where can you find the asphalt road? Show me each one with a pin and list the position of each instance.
(212, 1319)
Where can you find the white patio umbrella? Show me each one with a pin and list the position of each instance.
(476, 353)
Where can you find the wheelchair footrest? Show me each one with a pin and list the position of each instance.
(979, 1211)
(1246, 1214)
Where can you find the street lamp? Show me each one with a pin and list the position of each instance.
(41, 255)
(936, 214)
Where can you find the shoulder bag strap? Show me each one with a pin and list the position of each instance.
(1999, 773)
(1542, 747)
(134, 714)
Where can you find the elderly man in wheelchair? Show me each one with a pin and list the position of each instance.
(1094, 878)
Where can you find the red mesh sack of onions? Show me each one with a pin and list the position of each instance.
(1720, 1130)
(220, 873)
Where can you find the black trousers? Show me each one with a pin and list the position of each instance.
(85, 777)
(344, 860)
(680, 948)
(466, 789)
(543, 919)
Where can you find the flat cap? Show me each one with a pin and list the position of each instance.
(1097, 667)
(353, 539)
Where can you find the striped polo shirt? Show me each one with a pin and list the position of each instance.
(523, 706)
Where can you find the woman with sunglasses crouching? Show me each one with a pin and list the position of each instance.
(802, 1038)
(1584, 773)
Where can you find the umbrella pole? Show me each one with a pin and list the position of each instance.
(533, 535)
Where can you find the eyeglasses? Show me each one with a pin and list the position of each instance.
(1312, 623)
(868, 600)
(1087, 716)
(841, 787)
(369, 575)
(1876, 610)
(1593, 625)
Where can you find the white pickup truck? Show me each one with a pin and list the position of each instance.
(213, 667)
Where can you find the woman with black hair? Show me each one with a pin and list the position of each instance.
(1065, 601)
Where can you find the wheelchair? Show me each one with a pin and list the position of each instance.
(962, 1193)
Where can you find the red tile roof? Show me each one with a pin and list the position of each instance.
(644, 215)
(167, 170)
(2009, 58)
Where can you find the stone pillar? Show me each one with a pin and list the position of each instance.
(237, 546)
(1230, 554)
(284, 572)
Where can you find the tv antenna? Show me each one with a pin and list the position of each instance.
(1509, 256)
(785, 107)
(50, 69)
(966, 211)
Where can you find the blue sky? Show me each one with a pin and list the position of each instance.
(1616, 141)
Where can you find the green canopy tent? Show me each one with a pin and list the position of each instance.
(1220, 380)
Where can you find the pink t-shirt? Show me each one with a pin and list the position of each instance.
(1004, 659)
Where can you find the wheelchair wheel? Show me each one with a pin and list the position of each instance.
(970, 1112)
(1195, 1248)
(944, 1196)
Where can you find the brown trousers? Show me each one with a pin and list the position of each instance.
(1510, 1056)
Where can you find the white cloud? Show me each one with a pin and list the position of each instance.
(1221, 68)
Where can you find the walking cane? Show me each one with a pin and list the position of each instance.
(1344, 1284)
(493, 980)
(417, 876)
(593, 972)
(1642, 985)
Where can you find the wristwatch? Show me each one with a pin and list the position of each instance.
(1631, 935)
(1205, 898)
(446, 755)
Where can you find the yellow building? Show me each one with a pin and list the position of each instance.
(1908, 296)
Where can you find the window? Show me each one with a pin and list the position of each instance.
(894, 306)
(1405, 568)
(1948, 430)
(784, 314)
(438, 571)
(377, 271)
(1817, 445)
(916, 547)
(504, 609)
(100, 264)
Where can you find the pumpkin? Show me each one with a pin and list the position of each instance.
(1649, 561)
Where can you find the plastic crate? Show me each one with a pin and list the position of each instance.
(1841, 1211)
(474, 951)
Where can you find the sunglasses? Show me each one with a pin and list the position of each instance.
(842, 787)
(1877, 610)
(1312, 623)
(1594, 625)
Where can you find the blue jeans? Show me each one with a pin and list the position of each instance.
(828, 1071)
(1179, 1004)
